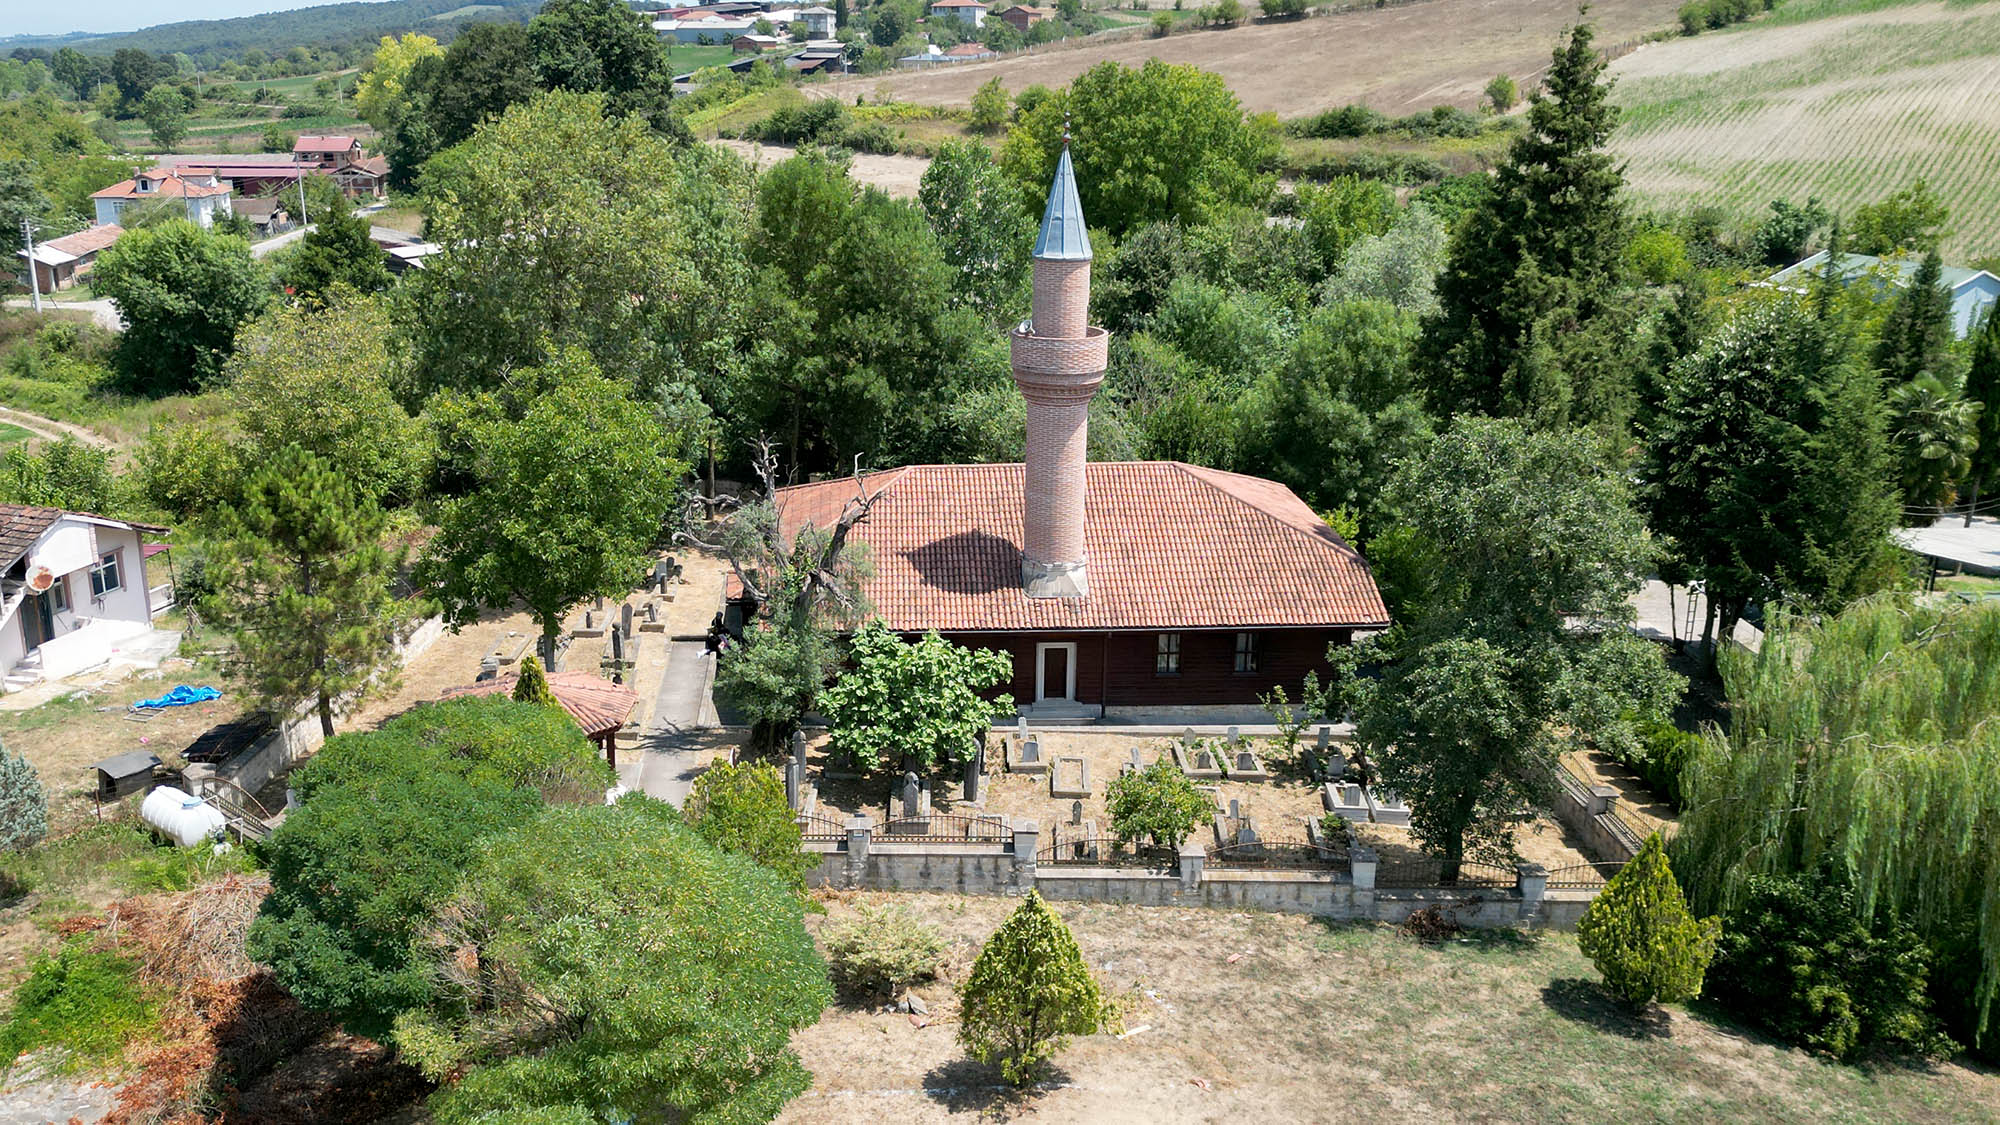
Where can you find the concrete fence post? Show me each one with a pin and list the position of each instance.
(1602, 798)
(1532, 880)
(1193, 860)
(859, 832)
(1361, 867)
(1027, 844)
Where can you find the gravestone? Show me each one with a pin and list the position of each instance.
(617, 647)
(1199, 762)
(1076, 812)
(1234, 734)
(913, 795)
(1246, 832)
(598, 604)
(1031, 750)
(1069, 777)
(1246, 766)
(593, 624)
(489, 666)
(975, 773)
(792, 785)
(1133, 765)
(625, 619)
(1235, 809)
(1029, 758)
(1021, 728)
(799, 749)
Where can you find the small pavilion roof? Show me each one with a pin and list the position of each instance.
(599, 706)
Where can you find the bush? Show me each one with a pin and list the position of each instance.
(883, 951)
(1347, 121)
(1502, 93)
(1163, 22)
(741, 808)
(1282, 8)
(1029, 991)
(24, 804)
(1798, 961)
(1694, 17)
(1662, 756)
(1639, 933)
(88, 1004)
(1159, 802)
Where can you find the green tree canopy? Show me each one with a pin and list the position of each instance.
(1639, 934)
(1982, 385)
(303, 582)
(382, 94)
(624, 968)
(532, 686)
(62, 474)
(1910, 220)
(601, 46)
(336, 252)
(1915, 336)
(1159, 803)
(740, 808)
(564, 485)
(1029, 991)
(1161, 142)
(980, 228)
(913, 706)
(183, 292)
(1934, 430)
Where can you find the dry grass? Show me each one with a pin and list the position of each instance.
(1266, 1017)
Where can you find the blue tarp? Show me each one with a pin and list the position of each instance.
(182, 696)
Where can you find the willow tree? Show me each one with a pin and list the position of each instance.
(1870, 741)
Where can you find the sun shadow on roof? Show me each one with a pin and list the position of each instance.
(971, 562)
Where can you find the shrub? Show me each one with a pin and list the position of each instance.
(1159, 802)
(1694, 17)
(1163, 22)
(741, 808)
(86, 1003)
(1661, 756)
(1282, 8)
(883, 950)
(1029, 991)
(1639, 933)
(1502, 93)
(24, 804)
(533, 684)
(1798, 961)
(989, 107)
(1347, 121)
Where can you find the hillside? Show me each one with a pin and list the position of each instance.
(277, 32)
(1398, 58)
(1847, 100)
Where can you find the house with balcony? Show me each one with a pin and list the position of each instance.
(204, 195)
(74, 593)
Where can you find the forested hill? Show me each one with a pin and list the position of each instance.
(278, 32)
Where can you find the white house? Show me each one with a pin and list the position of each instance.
(73, 592)
(819, 21)
(1972, 291)
(206, 197)
(969, 12)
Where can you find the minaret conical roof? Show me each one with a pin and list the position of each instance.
(1063, 236)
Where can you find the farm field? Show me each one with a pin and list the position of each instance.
(1397, 59)
(1848, 108)
(1267, 1017)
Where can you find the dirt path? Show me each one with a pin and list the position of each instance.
(53, 430)
(1397, 59)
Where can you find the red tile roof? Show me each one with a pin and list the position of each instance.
(325, 144)
(171, 186)
(1170, 546)
(599, 706)
(89, 240)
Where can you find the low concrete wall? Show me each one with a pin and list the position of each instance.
(1587, 811)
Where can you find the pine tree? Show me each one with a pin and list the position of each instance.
(24, 804)
(1640, 935)
(533, 684)
(304, 583)
(1029, 991)
(1982, 385)
(1537, 262)
(1917, 331)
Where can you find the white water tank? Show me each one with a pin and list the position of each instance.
(186, 820)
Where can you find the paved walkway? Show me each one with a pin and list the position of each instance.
(668, 757)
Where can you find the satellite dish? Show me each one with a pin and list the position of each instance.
(41, 579)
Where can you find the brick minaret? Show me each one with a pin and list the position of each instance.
(1059, 360)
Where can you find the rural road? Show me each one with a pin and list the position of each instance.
(51, 429)
(667, 759)
(102, 310)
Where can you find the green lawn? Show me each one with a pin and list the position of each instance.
(686, 60)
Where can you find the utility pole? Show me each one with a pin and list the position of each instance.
(301, 170)
(34, 280)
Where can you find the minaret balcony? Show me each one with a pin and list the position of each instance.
(1059, 361)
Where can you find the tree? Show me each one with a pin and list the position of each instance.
(1159, 803)
(1934, 430)
(619, 967)
(601, 46)
(1338, 416)
(336, 252)
(489, 67)
(1639, 934)
(1502, 93)
(984, 235)
(320, 376)
(1338, 214)
(741, 808)
(63, 474)
(889, 26)
(1399, 266)
(1520, 645)
(21, 195)
(304, 585)
(913, 706)
(165, 113)
(1536, 263)
(1029, 992)
(1912, 220)
(183, 292)
(533, 684)
(1767, 467)
(24, 804)
(989, 107)
(387, 823)
(135, 73)
(1982, 385)
(382, 94)
(1916, 334)
(1782, 239)
(560, 228)
(1160, 142)
(567, 483)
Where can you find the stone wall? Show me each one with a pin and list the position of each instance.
(1587, 810)
(866, 860)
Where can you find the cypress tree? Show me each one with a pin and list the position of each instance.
(303, 583)
(1537, 262)
(1982, 385)
(533, 684)
(1640, 935)
(1029, 991)
(1917, 331)
(24, 804)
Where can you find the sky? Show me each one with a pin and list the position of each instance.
(36, 17)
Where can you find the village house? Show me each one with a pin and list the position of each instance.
(819, 21)
(327, 152)
(1972, 291)
(968, 12)
(1024, 16)
(205, 197)
(73, 591)
(1139, 584)
(63, 262)
(755, 44)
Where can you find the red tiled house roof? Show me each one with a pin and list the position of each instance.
(171, 185)
(1170, 546)
(599, 706)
